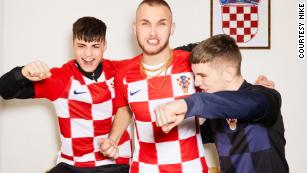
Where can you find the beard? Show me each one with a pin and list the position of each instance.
(155, 51)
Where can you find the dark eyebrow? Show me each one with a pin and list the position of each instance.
(201, 74)
(144, 20)
(98, 44)
(162, 20)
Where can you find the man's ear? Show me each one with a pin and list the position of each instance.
(229, 73)
(173, 28)
(134, 28)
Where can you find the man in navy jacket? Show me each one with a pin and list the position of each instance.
(245, 118)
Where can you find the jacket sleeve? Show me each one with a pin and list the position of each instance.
(188, 47)
(273, 102)
(257, 105)
(14, 85)
(206, 132)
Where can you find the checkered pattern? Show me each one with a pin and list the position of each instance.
(240, 21)
(240, 149)
(179, 151)
(251, 147)
(85, 111)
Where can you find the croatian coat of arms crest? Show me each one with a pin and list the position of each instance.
(240, 19)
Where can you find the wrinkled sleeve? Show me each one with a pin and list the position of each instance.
(245, 105)
(14, 85)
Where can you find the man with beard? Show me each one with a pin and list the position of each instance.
(156, 76)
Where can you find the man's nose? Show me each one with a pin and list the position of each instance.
(88, 52)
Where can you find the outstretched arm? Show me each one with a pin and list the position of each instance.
(18, 83)
(259, 104)
(14, 85)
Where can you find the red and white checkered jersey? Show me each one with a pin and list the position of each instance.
(85, 110)
(179, 151)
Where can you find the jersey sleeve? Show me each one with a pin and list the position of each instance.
(120, 64)
(120, 90)
(52, 87)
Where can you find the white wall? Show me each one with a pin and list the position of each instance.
(41, 29)
(1, 66)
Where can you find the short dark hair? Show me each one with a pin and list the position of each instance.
(156, 2)
(89, 29)
(219, 47)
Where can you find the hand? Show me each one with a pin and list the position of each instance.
(168, 127)
(109, 148)
(36, 71)
(170, 114)
(263, 81)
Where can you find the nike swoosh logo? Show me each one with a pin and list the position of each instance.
(133, 93)
(76, 92)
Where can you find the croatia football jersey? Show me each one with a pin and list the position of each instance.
(179, 151)
(85, 110)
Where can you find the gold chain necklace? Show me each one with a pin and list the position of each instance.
(165, 68)
(159, 68)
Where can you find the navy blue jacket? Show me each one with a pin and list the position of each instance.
(247, 126)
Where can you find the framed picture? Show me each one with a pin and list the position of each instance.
(247, 21)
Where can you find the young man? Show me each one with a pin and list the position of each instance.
(83, 95)
(158, 75)
(245, 119)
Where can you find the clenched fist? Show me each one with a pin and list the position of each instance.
(170, 114)
(109, 148)
(36, 71)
